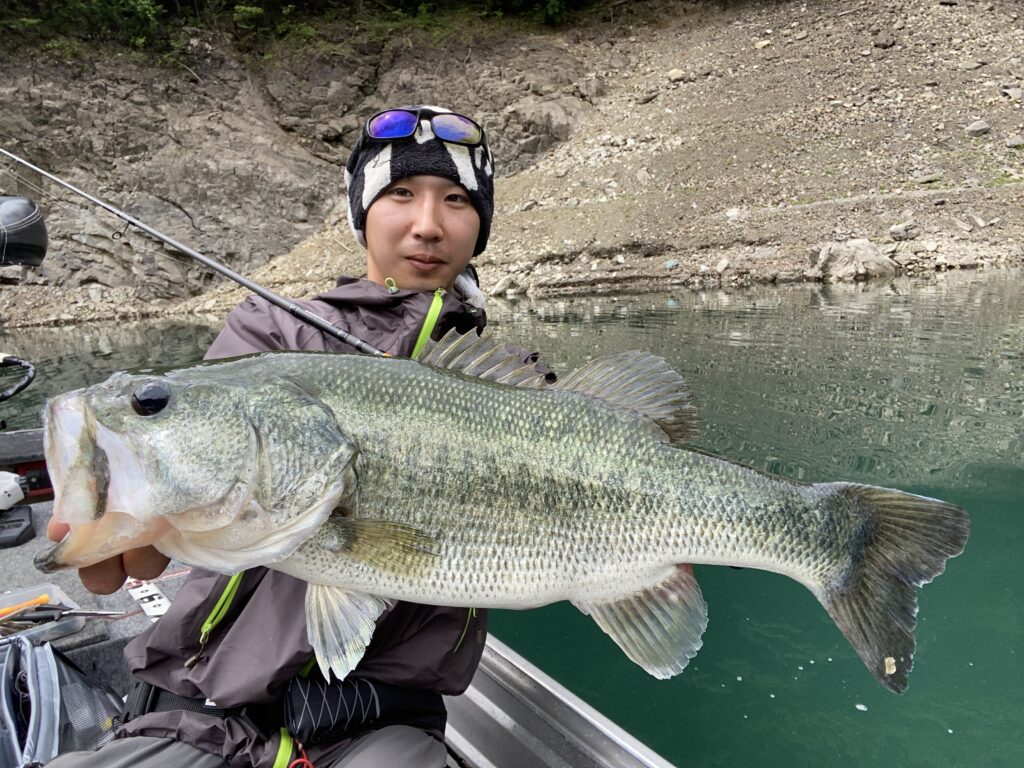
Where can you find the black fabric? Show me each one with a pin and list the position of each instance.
(144, 698)
(317, 711)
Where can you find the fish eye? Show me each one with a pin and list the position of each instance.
(150, 397)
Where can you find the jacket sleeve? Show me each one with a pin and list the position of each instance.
(251, 327)
(256, 325)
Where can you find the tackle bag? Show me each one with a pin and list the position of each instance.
(48, 705)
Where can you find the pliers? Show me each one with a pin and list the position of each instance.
(30, 616)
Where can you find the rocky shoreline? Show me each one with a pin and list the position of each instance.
(849, 261)
(702, 146)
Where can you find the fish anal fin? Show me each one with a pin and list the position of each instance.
(383, 544)
(907, 540)
(481, 357)
(660, 627)
(339, 625)
(643, 383)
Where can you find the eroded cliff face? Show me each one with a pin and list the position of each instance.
(239, 160)
(195, 152)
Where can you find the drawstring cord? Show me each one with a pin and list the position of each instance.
(302, 761)
(433, 313)
(428, 323)
(220, 610)
(470, 615)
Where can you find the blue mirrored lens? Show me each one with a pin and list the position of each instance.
(393, 124)
(452, 127)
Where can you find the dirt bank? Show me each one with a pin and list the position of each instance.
(670, 145)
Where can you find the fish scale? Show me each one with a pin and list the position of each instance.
(380, 479)
(645, 506)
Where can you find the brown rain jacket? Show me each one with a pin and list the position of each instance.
(261, 643)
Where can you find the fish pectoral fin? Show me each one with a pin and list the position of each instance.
(383, 544)
(660, 627)
(339, 624)
(644, 384)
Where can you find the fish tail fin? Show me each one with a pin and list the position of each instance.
(903, 542)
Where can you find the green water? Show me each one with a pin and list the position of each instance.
(915, 385)
(69, 358)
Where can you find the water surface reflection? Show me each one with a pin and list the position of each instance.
(902, 381)
(918, 385)
(67, 358)
(915, 385)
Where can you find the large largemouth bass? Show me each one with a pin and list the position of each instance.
(462, 480)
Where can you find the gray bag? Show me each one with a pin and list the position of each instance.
(48, 705)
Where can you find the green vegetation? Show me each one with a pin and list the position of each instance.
(1004, 177)
(155, 24)
(136, 22)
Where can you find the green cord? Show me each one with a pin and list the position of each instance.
(428, 324)
(307, 667)
(470, 614)
(284, 750)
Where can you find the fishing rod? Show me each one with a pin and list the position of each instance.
(289, 306)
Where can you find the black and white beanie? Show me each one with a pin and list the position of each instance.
(373, 166)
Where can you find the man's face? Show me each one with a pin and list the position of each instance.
(421, 233)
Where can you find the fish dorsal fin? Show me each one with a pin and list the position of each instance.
(660, 627)
(482, 357)
(640, 382)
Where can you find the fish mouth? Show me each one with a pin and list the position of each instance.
(90, 543)
(80, 470)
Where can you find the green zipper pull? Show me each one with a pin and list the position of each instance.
(215, 617)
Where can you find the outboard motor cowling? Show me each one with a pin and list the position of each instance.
(22, 232)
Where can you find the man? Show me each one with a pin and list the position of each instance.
(214, 672)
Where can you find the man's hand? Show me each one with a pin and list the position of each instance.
(107, 577)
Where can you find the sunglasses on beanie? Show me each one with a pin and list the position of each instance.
(402, 124)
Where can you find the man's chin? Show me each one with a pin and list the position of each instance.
(427, 278)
